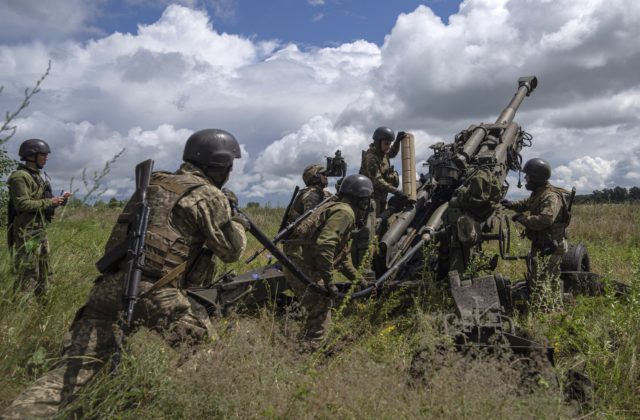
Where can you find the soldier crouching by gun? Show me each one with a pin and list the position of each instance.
(31, 208)
(545, 226)
(189, 222)
(319, 245)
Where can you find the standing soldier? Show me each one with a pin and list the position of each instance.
(319, 245)
(316, 181)
(376, 166)
(190, 222)
(545, 227)
(31, 208)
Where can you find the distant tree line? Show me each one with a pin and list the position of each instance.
(610, 195)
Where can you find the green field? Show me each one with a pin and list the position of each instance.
(253, 367)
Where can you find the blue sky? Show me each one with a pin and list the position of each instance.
(304, 22)
(296, 80)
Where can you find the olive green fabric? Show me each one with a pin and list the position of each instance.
(317, 250)
(27, 231)
(376, 166)
(202, 218)
(480, 194)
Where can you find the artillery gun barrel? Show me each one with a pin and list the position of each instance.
(526, 86)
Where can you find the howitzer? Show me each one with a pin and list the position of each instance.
(135, 253)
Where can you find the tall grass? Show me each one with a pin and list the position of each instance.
(384, 359)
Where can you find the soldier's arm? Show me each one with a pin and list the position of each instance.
(337, 225)
(346, 266)
(551, 205)
(395, 148)
(20, 197)
(374, 174)
(210, 214)
(520, 206)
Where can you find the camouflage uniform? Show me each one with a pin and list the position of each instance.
(307, 199)
(189, 216)
(545, 227)
(31, 210)
(318, 247)
(376, 166)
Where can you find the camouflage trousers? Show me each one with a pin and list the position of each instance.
(91, 341)
(544, 279)
(317, 307)
(31, 262)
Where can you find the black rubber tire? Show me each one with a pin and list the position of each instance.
(576, 259)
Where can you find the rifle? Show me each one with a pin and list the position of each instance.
(135, 254)
(286, 231)
(280, 256)
(285, 216)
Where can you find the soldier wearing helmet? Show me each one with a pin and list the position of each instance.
(316, 181)
(320, 245)
(376, 166)
(190, 224)
(31, 208)
(545, 226)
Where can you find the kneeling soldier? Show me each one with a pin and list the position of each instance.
(190, 222)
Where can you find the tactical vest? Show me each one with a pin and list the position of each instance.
(165, 248)
(558, 230)
(297, 209)
(307, 232)
(389, 175)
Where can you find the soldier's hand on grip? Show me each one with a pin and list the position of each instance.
(507, 204)
(517, 217)
(242, 219)
(401, 195)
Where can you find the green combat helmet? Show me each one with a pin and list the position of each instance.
(33, 146)
(311, 173)
(538, 170)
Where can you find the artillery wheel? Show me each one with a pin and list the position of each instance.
(576, 259)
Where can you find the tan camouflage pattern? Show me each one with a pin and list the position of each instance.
(377, 167)
(204, 214)
(307, 199)
(28, 230)
(547, 217)
(546, 222)
(327, 250)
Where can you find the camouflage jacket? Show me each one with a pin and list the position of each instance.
(326, 246)
(307, 199)
(197, 226)
(27, 190)
(548, 214)
(376, 166)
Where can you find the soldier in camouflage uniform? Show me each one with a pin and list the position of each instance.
(376, 166)
(316, 181)
(545, 227)
(31, 208)
(190, 223)
(319, 245)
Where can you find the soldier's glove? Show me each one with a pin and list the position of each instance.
(401, 195)
(233, 199)
(401, 135)
(242, 219)
(517, 217)
(507, 204)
